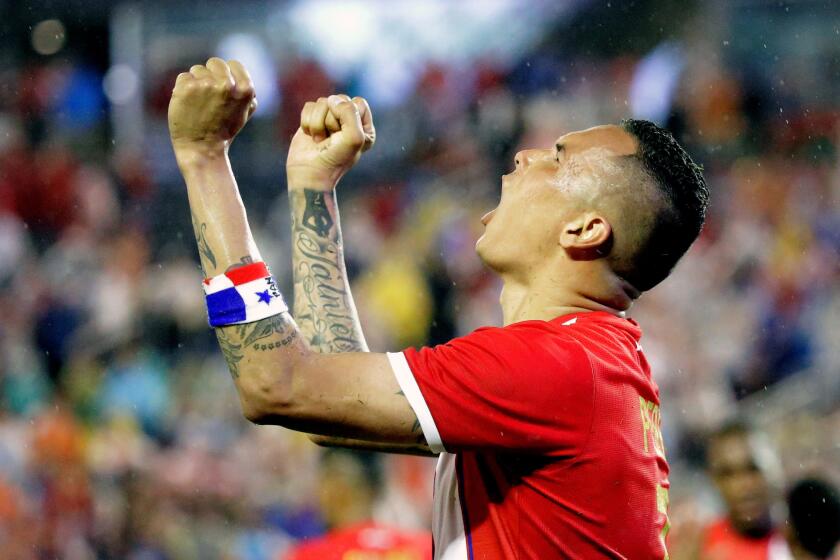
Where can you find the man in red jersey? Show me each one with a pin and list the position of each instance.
(746, 473)
(547, 428)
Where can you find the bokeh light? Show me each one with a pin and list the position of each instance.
(120, 84)
(48, 37)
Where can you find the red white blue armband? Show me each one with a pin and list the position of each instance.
(243, 295)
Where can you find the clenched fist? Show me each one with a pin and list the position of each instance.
(210, 104)
(333, 133)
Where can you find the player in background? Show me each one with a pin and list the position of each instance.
(548, 428)
(813, 528)
(747, 475)
(348, 491)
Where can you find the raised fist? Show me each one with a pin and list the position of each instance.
(210, 104)
(333, 133)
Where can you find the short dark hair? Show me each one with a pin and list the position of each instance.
(734, 427)
(814, 509)
(737, 426)
(685, 195)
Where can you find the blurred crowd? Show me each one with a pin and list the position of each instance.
(120, 432)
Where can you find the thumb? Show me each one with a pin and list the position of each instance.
(348, 117)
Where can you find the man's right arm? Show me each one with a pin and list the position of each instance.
(323, 304)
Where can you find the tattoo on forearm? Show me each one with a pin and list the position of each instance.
(205, 253)
(416, 429)
(278, 324)
(316, 215)
(323, 305)
(244, 261)
(231, 350)
(235, 339)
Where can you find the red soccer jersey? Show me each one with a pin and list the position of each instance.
(365, 542)
(722, 542)
(549, 440)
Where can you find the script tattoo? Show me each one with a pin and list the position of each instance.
(323, 305)
(204, 251)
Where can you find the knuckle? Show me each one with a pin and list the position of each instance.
(357, 139)
(243, 91)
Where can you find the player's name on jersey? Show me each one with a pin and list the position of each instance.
(651, 426)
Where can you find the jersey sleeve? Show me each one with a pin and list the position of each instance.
(524, 387)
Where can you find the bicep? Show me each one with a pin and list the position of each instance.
(350, 395)
(516, 389)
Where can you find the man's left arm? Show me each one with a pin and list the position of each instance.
(323, 303)
(278, 378)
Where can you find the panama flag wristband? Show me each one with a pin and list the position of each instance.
(242, 295)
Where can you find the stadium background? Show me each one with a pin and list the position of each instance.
(120, 432)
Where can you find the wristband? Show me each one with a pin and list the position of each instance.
(242, 295)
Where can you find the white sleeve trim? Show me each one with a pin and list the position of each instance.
(411, 390)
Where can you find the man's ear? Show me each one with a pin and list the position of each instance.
(587, 237)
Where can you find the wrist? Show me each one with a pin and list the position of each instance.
(189, 153)
(300, 178)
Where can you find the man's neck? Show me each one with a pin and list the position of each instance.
(544, 299)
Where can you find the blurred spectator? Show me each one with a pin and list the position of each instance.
(349, 490)
(745, 471)
(367, 541)
(813, 519)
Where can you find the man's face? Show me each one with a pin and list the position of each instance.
(737, 472)
(547, 189)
